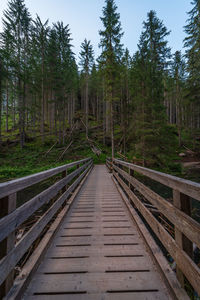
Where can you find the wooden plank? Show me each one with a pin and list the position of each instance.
(12, 221)
(96, 251)
(24, 277)
(97, 231)
(7, 206)
(16, 185)
(156, 253)
(95, 282)
(112, 257)
(115, 296)
(91, 264)
(180, 219)
(184, 186)
(96, 241)
(185, 263)
(10, 261)
(69, 297)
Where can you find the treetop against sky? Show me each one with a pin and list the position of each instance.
(83, 17)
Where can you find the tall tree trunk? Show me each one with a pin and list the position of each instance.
(108, 115)
(42, 104)
(0, 100)
(7, 100)
(112, 130)
(86, 106)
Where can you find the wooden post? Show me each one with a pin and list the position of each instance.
(7, 205)
(182, 202)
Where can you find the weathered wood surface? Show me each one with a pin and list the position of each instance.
(184, 186)
(166, 272)
(12, 221)
(183, 203)
(31, 265)
(7, 205)
(98, 252)
(184, 262)
(9, 262)
(179, 218)
(16, 185)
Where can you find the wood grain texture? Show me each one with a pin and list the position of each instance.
(12, 221)
(25, 275)
(187, 187)
(12, 258)
(97, 255)
(184, 262)
(13, 186)
(166, 272)
(7, 206)
(180, 219)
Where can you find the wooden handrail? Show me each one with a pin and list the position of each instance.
(12, 221)
(187, 230)
(184, 186)
(13, 186)
(11, 218)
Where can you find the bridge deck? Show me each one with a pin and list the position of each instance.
(97, 252)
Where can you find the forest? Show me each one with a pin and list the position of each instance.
(143, 107)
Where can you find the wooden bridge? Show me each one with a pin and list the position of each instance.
(92, 236)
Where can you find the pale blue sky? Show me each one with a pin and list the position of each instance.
(83, 18)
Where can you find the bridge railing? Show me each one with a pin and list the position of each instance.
(176, 213)
(11, 218)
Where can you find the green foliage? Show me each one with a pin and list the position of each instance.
(155, 140)
(192, 92)
(16, 162)
(86, 56)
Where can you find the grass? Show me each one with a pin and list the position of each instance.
(16, 162)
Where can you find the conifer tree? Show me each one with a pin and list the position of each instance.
(17, 21)
(192, 45)
(7, 57)
(86, 62)
(111, 55)
(154, 138)
(125, 95)
(1, 89)
(64, 66)
(40, 41)
(178, 76)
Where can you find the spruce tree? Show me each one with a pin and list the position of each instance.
(154, 138)
(192, 45)
(112, 51)
(2, 73)
(125, 95)
(40, 41)
(178, 76)
(64, 67)
(86, 61)
(17, 21)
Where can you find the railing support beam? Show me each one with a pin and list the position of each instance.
(7, 205)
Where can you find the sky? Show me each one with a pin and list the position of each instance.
(83, 17)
